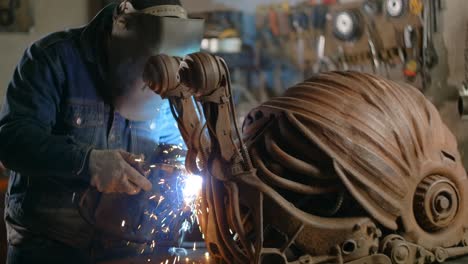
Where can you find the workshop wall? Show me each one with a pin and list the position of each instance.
(49, 16)
(454, 22)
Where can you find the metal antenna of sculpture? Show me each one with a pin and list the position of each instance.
(343, 168)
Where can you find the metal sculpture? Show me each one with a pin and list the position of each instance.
(343, 168)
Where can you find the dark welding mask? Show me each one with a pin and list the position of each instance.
(138, 35)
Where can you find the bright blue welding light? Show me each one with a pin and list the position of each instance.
(191, 188)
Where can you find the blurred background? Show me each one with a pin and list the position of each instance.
(271, 45)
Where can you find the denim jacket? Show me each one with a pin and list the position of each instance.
(55, 113)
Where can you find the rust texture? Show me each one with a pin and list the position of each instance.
(343, 168)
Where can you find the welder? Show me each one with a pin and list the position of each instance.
(70, 122)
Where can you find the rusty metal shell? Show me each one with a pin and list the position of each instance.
(384, 141)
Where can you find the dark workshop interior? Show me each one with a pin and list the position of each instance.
(234, 131)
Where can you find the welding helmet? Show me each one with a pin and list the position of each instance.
(143, 29)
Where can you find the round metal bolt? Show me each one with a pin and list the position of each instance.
(442, 203)
(401, 254)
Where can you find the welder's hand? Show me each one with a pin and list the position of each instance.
(111, 172)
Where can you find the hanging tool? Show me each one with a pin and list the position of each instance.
(261, 17)
(430, 27)
(299, 19)
(323, 63)
(435, 62)
(274, 22)
(411, 66)
(299, 22)
(301, 25)
(416, 7)
(319, 17)
(283, 19)
(319, 22)
(342, 59)
(375, 55)
(375, 45)
(262, 28)
(268, 32)
(372, 7)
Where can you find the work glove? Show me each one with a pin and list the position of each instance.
(114, 171)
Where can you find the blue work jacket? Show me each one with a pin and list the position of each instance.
(54, 114)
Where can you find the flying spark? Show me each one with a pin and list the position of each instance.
(174, 203)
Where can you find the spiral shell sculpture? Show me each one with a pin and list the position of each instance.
(381, 142)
